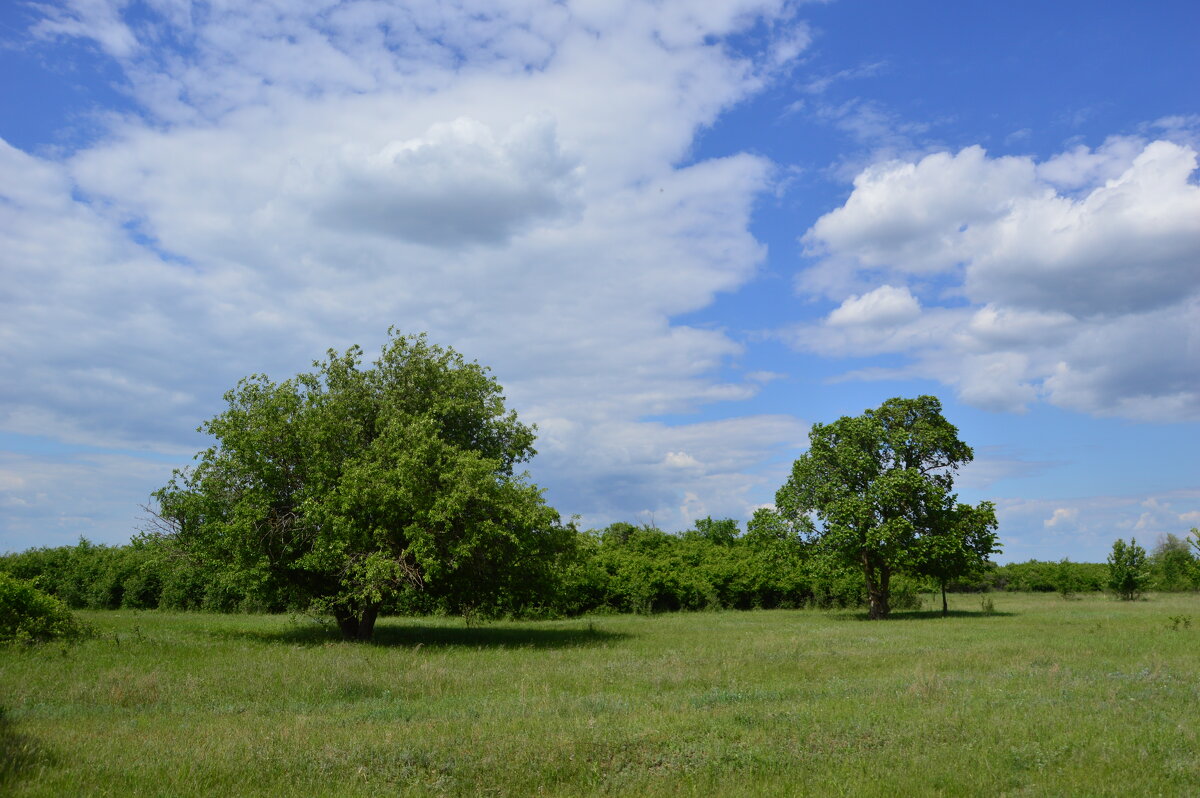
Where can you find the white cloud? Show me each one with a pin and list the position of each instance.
(508, 177)
(820, 84)
(1083, 168)
(992, 327)
(995, 381)
(1131, 244)
(912, 217)
(1063, 516)
(1158, 519)
(455, 185)
(882, 135)
(885, 306)
(681, 460)
(97, 20)
(908, 327)
(1081, 274)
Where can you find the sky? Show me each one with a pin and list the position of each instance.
(679, 233)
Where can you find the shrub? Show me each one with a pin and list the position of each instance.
(27, 615)
(1128, 573)
(906, 594)
(1068, 584)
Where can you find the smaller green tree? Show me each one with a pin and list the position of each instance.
(722, 532)
(958, 546)
(778, 560)
(1194, 539)
(1171, 564)
(1065, 580)
(1128, 573)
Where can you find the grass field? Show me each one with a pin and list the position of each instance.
(1091, 697)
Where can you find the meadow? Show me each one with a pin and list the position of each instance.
(1043, 696)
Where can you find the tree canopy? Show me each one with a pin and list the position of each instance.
(1128, 570)
(345, 485)
(879, 488)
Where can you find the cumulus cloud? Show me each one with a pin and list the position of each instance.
(885, 306)
(513, 178)
(1082, 167)
(1081, 276)
(1131, 244)
(455, 185)
(912, 217)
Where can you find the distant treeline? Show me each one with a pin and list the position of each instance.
(622, 568)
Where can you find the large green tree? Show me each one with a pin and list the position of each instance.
(879, 490)
(341, 487)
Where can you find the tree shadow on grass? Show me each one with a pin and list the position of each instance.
(18, 752)
(444, 635)
(937, 615)
(494, 636)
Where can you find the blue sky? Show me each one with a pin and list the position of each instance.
(679, 233)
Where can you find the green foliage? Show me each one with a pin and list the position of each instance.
(28, 615)
(1064, 579)
(880, 487)
(722, 532)
(1128, 571)
(1194, 541)
(91, 576)
(1172, 566)
(1040, 576)
(957, 547)
(642, 569)
(347, 487)
(623, 568)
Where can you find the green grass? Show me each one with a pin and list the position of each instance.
(1091, 697)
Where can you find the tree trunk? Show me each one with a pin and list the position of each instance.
(359, 626)
(878, 588)
(945, 611)
(366, 623)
